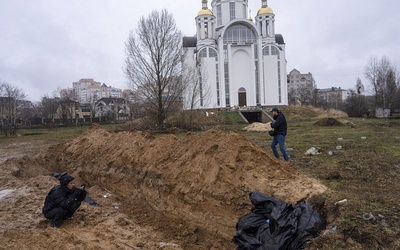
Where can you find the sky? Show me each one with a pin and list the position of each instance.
(46, 45)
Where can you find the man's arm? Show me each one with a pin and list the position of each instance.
(277, 122)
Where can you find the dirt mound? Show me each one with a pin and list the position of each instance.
(259, 127)
(305, 113)
(328, 121)
(170, 192)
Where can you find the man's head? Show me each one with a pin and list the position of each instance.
(67, 181)
(275, 111)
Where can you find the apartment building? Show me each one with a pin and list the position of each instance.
(88, 90)
(297, 79)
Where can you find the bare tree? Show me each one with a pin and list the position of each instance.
(65, 94)
(356, 105)
(392, 88)
(68, 112)
(9, 96)
(359, 86)
(292, 97)
(48, 107)
(197, 92)
(153, 64)
(305, 94)
(384, 79)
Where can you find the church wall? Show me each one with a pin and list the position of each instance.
(284, 86)
(189, 61)
(242, 74)
(210, 83)
(270, 81)
(225, 15)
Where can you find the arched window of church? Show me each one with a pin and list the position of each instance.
(275, 51)
(240, 33)
(232, 10)
(212, 52)
(203, 53)
(266, 51)
(219, 15)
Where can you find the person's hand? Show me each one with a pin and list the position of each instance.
(76, 192)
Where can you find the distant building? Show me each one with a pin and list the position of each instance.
(8, 110)
(112, 109)
(89, 91)
(68, 112)
(130, 95)
(300, 88)
(13, 112)
(296, 79)
(332, 97)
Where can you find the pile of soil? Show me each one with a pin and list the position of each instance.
(328, 121)
(258, 127)
(155, 192)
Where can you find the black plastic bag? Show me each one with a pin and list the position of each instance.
(273, 224)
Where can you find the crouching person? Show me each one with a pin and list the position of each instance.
(63, 200)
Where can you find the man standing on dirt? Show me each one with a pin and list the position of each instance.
(63, 200)
(280, 127)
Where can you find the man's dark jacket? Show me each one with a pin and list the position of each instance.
(61, 196)
(279, 125)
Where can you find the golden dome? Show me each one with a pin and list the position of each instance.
(265, 10)
(205, 11)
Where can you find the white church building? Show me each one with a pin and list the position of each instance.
(241, 61)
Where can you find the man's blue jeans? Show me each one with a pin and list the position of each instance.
(279, 139)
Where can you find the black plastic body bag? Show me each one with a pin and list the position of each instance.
(273, 224)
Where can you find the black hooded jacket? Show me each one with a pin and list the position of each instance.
(279, 125)
(61, 196)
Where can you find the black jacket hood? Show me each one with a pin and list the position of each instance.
(65, 179)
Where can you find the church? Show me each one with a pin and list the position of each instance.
(240, 62)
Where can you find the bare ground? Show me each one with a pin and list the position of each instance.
(159, 192)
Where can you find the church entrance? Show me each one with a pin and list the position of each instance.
(242, 97)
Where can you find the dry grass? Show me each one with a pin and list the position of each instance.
(365, 171)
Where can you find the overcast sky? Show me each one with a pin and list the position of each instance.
(47, 44)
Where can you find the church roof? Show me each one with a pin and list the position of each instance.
(203, 12)
(279, 39)
(265, 10)
(108, 100)
(189, 41)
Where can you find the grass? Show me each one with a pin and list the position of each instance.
(365, 171)
(52, 134)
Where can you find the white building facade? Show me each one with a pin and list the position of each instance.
(297, 79)
(241, 62)
(89, 91)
